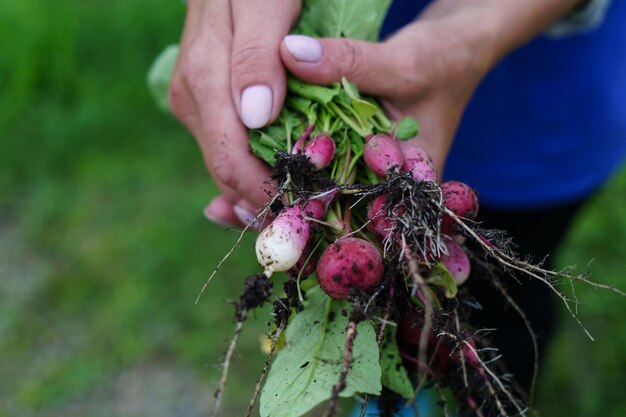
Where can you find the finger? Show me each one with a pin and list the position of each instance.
(258, 76)
(221, 136)
(324, 61)
(220, 211)
(185, 108)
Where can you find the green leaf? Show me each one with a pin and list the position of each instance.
(316, 93)
(394, 376)
(343, 18)
(160, 75)
(305, 371)
(365, 109)
(350, 88)
(356, 143)
(271, 141)
(264, 152)
(407, 128)
(441, 277)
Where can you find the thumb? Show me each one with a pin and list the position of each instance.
(324, 61)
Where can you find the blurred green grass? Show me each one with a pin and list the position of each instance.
(103, 246)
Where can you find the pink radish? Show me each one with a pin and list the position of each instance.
(460, 199)
(457, 262)
(349, 263)
(381, 220)
(281, 244)
(320, 150)
(417, 162)
(307, 262)
(382, 154)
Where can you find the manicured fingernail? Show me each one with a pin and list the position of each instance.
(246, 217)
(218, 211)
(304, 48)
(256, 106)
(215, 219)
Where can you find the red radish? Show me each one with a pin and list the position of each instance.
(381, 220)
(457, 262)
(382, 154)
(460, 199)
(280, 245)
(315, 209)
(307, 262)
(317, 206)
(417, 162)
(470, 356)
(349, 263)
(410, 331)
(297, 147)
(320, 150)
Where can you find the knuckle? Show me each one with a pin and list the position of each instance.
(223, 170)
(195, 66)
(251, 58)
(180, 102)
(353, 59)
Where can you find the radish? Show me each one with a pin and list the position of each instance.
(281, 244)
(460, 199)
(417, 162)
(382, 154)
(381, 220)
(457, 262)
(315, 209)
(320, 150)
(307, 262)
(349, 263)
(410, 332)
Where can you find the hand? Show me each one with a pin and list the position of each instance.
(228, 75)
(430, 68)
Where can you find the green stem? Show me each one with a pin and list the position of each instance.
(354, 161)
(308, 259)
(337, 111)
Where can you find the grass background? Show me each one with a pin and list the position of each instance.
(103, 246)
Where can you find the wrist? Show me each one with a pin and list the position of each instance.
(490, 29)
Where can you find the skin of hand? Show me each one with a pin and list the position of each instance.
(428, 70)
(229, 77)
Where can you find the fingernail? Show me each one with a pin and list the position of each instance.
(256, 106)
(304, 48)
(218, 211)
(246, 217)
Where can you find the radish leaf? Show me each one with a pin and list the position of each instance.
(394, 376)
(305, 371)
(407, 128)
(343, 18)
(441, 277)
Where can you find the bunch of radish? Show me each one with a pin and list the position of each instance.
(373, 258)
(357, 211)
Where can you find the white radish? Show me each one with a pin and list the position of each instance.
(281, 244)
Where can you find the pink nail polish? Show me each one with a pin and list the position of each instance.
(246, 217)
(256, 106)
(218, 211)
(304, 48)
(217, 220)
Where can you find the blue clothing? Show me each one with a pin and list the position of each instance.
(547, 126)
(424, 406)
